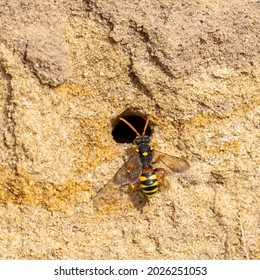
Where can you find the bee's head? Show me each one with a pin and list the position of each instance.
(140, 140)
(142, 146)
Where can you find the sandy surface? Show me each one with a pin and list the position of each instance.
(70, 69)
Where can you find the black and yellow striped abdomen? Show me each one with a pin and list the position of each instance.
(149, 182)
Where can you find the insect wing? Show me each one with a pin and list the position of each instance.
(175, 164)
(130, 172)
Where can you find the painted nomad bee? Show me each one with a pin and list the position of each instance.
(140, 165)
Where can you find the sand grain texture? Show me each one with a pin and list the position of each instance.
(68, 70)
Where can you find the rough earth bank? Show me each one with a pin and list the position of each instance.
(68, 70)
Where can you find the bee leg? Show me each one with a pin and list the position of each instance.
(148, 201)
(133, 148)
(131, 189)
(164, 174)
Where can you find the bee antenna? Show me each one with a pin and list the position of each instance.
(146, 124)
(126, 122)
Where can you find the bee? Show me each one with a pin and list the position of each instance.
(140, 165)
